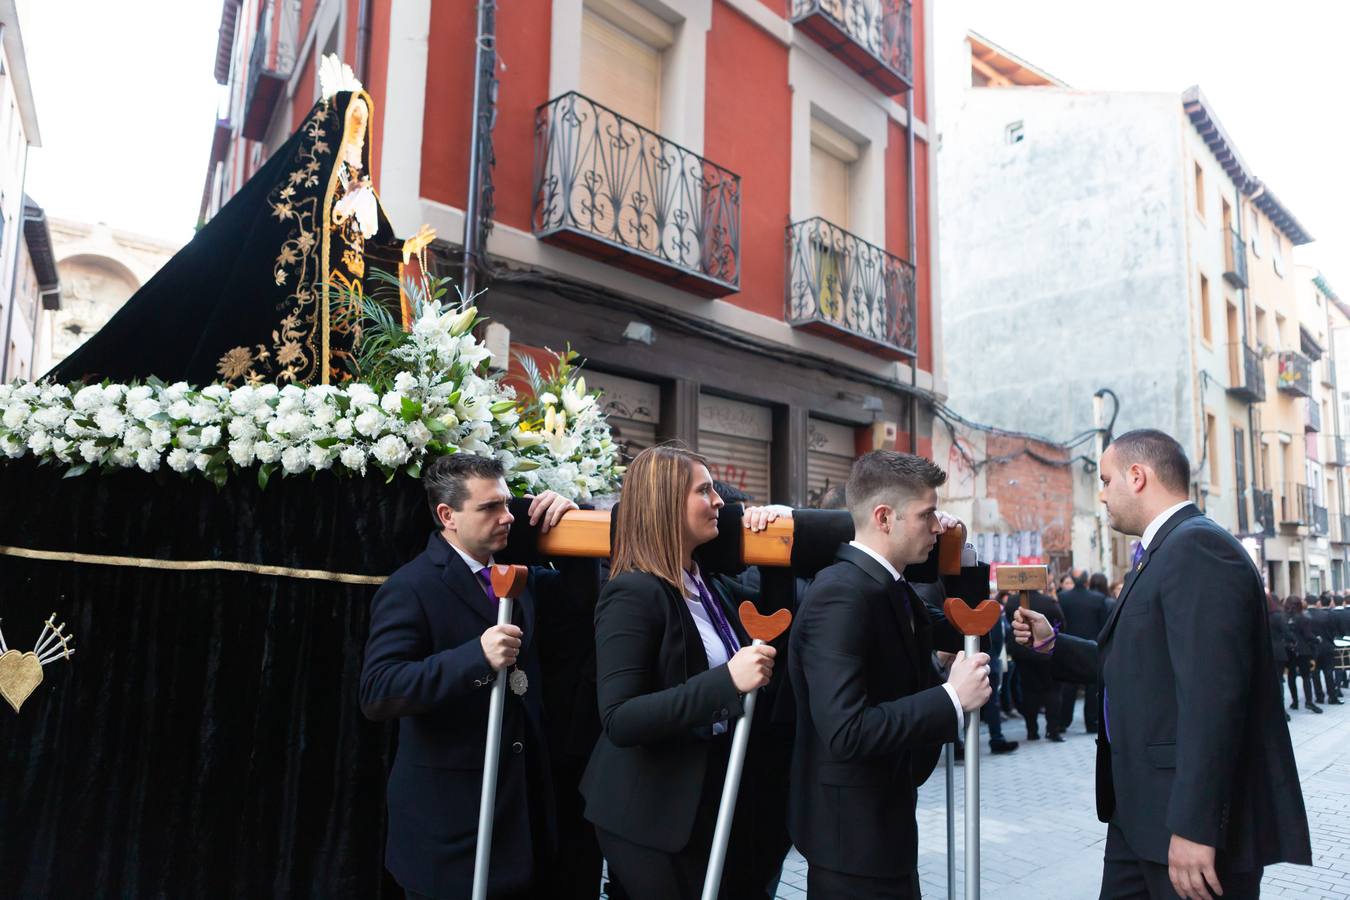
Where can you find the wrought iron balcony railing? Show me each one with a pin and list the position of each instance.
(1296, 503)
(1312, 418)
(270, 68)
(1246, 375)
(1264, 508)
(607, 187)
(1235, 260)
(1320, 520)
(872, 37)
(841, 286)
(1295, 374)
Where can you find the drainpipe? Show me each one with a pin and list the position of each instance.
(14, 268)
(913, 259)
(363, 41)
(485, 60)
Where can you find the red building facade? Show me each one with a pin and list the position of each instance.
(721, 204)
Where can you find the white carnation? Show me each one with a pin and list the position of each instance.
(354, 458)
(242, 453)
(147, 459)
(144, 409)
(179, 460)
(11, 447)
(39, 442)
(343, 429)
(267, 451)
(88, 399)
(390, 450)
(124, 457)
(392, 403)
(15, 415)
(110, 422)
(370, 422)
(210, 435)
(138, 393)
(91, 452)
(243, 429)
(319, 458)
(362, 395)
(294, 460)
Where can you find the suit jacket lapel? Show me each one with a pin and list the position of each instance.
(918, 614)
(461, 582)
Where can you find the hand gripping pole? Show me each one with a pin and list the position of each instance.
(508, 583)
(762, 629)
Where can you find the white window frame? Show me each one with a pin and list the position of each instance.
(819, 94)
(683, 63)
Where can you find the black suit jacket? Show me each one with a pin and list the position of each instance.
(1305, 634)
(658, 702)
(871, 717)
(424, 666)
(1198, 744)
(1084, 612)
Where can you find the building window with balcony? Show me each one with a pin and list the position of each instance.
(1256, 232)
(621, 60)
(1206, 323)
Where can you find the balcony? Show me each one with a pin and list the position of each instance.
(1296, 503)
(1321, 525)
(1312, 417)
(1235, 260)
(608, 188)
(842, 287)
(1343, 536)
(1246, 376)
(1263, 505)
(1295, 374)
(872, 37)
(270, 67)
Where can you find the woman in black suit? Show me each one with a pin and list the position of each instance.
(1305, 648)
(672, 664)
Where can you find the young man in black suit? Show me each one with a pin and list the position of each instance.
(1195, 770)
(871, 713)
(1084, 615)
(433, 654)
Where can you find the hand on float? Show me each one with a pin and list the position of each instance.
(970, 678)
(1031, 628)
(752, 667)
(501, 646)
(548, 509)
(946, 521)
(757, 518)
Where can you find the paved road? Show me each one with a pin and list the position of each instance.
(1042, 840)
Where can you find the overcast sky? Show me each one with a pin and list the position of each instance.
(126, 98)
(1272, 71)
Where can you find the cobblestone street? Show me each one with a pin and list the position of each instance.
(1042, 840)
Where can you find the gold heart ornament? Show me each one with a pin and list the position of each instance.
(20, 674)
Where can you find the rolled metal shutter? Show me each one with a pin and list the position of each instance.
(737, 440)
(829, 457)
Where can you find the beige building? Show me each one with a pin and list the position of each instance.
(100, 268)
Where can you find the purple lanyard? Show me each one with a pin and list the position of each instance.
(718, 618)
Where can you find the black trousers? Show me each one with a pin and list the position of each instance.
(825, 884)
(1326, 674)
(1127, 877)
(1070, 697)
(649, 874)
(1036, 696)
(1302, 665)
(575, 873)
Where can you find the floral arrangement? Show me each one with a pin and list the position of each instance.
(563, 428)
(426, 391)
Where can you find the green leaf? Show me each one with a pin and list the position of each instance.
(218, 475)
(76, 471)
(414, 470)
(525, 465)
(265, 473)
(412, 410)
(154, 382)
(502, 406)
(435, 425)
(327, 443)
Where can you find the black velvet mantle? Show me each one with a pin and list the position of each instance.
(205, 740)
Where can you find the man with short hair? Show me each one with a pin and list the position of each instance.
(871, 713)
(435, 649)
(1326, 628)
(1195, 770)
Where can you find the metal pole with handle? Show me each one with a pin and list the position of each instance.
(507, 583)
(972, 645)
(762, 629)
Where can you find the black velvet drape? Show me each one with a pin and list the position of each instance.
(205, 740)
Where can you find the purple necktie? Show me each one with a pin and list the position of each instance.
(718, 619)
(1138, 555)
(486, 579)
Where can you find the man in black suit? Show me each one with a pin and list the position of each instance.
(1195, 770)
(1084, 615)
(1040, 690)
(1341, 616)
(433, 654)
(871, 713)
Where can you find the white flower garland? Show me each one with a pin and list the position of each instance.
(444, 400)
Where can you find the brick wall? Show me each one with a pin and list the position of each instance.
(1031, 495)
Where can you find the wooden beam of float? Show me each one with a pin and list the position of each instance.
(584, 532)
(1023, 580)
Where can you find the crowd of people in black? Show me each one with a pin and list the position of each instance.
(1304, 632)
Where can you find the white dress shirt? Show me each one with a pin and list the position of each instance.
(474, 565)
(1152, 530)
(951, 691)
(713, 648)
